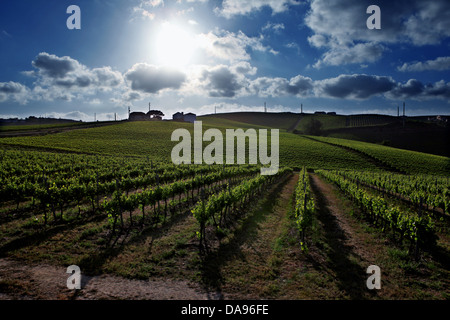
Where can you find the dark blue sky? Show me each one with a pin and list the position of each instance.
(193, 55)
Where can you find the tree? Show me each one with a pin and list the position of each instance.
(155, 113)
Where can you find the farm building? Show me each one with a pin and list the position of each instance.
(188, 117)
(179, 116)
(138, 116)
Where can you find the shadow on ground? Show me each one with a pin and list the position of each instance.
(350, 276)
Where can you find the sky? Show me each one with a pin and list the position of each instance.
(206, 56)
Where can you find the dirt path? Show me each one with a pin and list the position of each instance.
(248, 266)
(29, 282)
(332, 208)
(295, 125)
(349, 251)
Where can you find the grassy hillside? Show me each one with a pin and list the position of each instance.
(282, 121)
(153, 139)
(331, 122)
(404, 160)
(328, 121)
(417, 136)
(124, 139)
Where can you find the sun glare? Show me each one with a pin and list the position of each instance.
(174, 46)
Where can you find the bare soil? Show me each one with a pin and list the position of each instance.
(20, 281)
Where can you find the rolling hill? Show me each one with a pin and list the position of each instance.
(153, 140)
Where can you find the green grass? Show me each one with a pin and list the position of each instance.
(124, 139)
(412, 162)
(333, 122)
(30, 127)
(153, 140)
(328, 121)
(282, 121)
(298, 151)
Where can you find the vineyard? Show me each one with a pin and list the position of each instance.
(109, 200)
(412, 225)
(48, 189)
(368, 120)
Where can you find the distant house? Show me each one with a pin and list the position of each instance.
(320, 112)
(188, 117)
(332, 113)
(138, 116)
(179, 116)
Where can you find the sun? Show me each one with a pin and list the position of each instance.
(174, 46)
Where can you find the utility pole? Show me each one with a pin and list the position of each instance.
(265, 108)
(301, 108)
(403, 114)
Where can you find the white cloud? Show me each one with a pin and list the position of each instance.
(340, 28)
(231, 46)
(144, 9)
(348, 54)
(141, 12)
(152, 79)
(218, 81)
(65, 78)
(435, 15)
(244, 67)
(318, 41)
(231, 8)
(276, 87)
(14, 91)
(438, 64)
(414, 89)
(355, 86)
(223, 82)
(276, 27)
